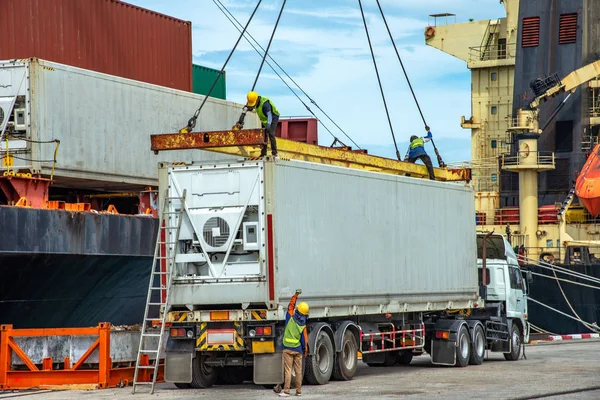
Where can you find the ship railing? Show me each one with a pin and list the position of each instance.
(524, 122)
(543, 159)
(492, 52)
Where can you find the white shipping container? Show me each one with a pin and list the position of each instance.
(356, 242)
(103, 123)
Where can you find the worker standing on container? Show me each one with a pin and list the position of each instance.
(416, 151)
(294, 345)
(268, 115)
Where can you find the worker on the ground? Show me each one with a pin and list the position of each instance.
(268, 115)
(416, 151)
(295, 345)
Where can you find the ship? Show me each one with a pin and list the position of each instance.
(553, 225)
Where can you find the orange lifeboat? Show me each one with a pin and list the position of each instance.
(587, 186)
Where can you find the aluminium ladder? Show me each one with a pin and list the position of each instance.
(158, 289)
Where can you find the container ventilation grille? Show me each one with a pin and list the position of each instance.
(530, 36)
(216, 232)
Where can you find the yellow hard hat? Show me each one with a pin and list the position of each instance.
(252, 98)
(303, 308)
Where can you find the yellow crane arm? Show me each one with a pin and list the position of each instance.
(248, 143)
(570, 82)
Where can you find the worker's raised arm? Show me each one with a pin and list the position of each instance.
(428, 137)
(292, 305)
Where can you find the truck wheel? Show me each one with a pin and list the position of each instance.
(319, 366)
(477, 347)
(463, 348)
(181, 385)
(404, 357)
(203, 376)
(346, 361)
(515, 345)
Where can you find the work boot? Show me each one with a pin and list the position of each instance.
(284, 394)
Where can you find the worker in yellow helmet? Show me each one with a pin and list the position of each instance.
(416, 151)
(295, 345)
(268, 115)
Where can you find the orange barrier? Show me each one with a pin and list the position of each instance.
(70, 376)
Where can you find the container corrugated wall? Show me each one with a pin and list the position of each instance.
(104, 123)
(107, 36)
(204, 77)
(349, 237)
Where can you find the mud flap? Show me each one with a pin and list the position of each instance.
(178, 360)
(178, 367)
(443, 352)
(268, 369)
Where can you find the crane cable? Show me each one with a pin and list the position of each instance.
(439, 158)
(379, 79)
(192, 121)
(268, 46)
(231, 19)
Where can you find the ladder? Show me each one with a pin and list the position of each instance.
(567, 202)
(158, 290)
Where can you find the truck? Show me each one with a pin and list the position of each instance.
(391, 266)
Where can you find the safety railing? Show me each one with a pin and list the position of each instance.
(394, 339)
(543, 159)
(492, 52)
(94, 368)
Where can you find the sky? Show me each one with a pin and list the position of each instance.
(322, 45)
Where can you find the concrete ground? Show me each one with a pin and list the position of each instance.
(566, 371)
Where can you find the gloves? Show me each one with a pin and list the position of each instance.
(299, 291)
(427, 128)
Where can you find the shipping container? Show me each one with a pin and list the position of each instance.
(106, 36)
(298, 129)
(350, 238)
(204, 77)
(103, 123)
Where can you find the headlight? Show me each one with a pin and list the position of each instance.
(252, 333)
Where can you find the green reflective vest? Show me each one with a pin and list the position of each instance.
(418, 142)
(292, 333)
(259, 110)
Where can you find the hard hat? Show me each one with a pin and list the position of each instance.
(303, 308)
(252, 98)
(413, 137)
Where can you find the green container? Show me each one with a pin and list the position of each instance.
(203, 78)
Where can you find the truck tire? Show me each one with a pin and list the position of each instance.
(203, 376)
(319, 366)
(181, 385)
(463, 347)
(515, 345)
(477, 347)
(346, 361)
(404, 357)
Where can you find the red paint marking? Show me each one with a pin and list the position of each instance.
(586, 336)
(163, 263)
(271, 256)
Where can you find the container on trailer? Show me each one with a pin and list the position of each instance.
(106, 36)
(103, 123)
(203, 79)
(356, 242)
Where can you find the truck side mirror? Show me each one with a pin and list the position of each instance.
(529, 276)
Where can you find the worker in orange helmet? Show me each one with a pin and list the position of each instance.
(295, 345)
(269, 117)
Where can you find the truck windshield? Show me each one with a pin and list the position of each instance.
(494, 248)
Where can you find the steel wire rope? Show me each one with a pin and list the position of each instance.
(440, 161)
(226, 11)
(268, 45)
(362, 13)
(558, 311)
(219, 5)
(192, 121)
(561, 270)
(565, 280)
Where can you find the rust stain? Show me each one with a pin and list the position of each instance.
(202, 140)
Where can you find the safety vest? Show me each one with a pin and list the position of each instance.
(259, 110)
(418, 142)
(291, 335)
